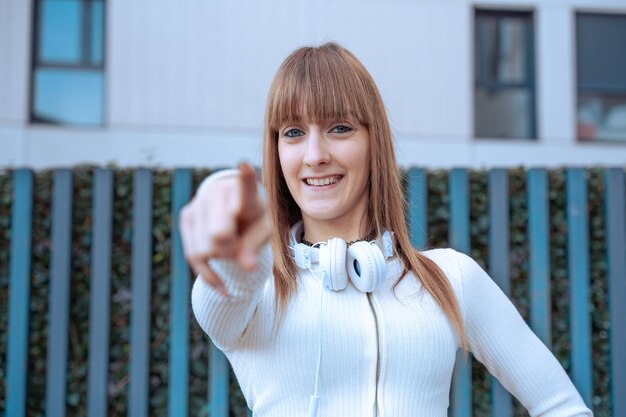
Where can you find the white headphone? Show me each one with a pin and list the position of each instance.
(363, 262)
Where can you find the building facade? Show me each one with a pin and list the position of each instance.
(183, 83)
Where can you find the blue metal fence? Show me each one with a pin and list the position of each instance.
(19, 280)
(219, 371)
(99, 296)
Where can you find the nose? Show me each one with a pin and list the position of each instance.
(317, 152)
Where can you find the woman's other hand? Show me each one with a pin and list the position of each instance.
(226, 219)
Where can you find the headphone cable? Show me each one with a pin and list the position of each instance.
(314, 400)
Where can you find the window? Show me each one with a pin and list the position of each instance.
(68, 62)
(601, 69)
(504, 88)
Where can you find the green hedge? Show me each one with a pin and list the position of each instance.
(437, 183)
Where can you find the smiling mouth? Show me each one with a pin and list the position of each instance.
(322, 182)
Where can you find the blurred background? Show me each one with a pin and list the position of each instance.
(94, 289)
(183, 83)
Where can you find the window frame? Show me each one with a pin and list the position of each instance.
(531, 68)
(576, 90)
(83, 65)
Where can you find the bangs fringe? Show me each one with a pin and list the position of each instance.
(318, 83)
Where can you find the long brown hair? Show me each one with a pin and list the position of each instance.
(329, 83)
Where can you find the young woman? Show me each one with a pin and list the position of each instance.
(313, 290)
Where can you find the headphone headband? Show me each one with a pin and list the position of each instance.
(306, 256)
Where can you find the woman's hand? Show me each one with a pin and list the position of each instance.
(226, 219)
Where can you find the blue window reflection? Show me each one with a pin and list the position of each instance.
(60, 32)
(68, 72)
(68, 96)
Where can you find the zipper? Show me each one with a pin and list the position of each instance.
(379, 347)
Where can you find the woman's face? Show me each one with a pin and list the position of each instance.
(326, 167)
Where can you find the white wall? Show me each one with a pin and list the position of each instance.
(15, 23)
(186, 81)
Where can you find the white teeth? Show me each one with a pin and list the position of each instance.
(318, 182)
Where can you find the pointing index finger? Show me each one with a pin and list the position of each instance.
(249, 191)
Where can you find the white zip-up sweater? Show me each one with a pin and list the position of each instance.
(386, 353)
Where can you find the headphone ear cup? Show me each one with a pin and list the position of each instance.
(333, 264)
(366, 267)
